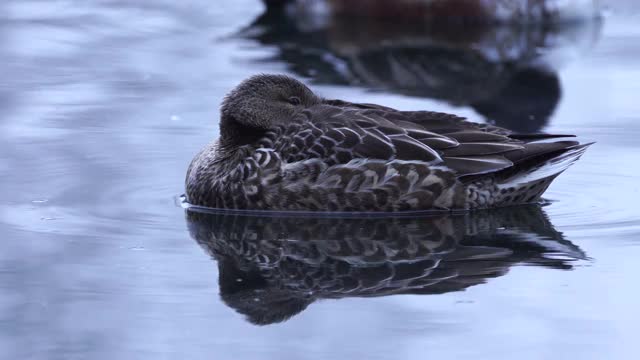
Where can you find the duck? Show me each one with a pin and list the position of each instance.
(508, 75)
(476, 11)
(282, 147)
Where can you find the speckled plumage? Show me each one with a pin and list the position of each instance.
(284, 148)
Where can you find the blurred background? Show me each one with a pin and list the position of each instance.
(104, 103)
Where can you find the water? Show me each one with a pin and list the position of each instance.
(104, 103)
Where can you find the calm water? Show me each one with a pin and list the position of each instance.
(104, 103)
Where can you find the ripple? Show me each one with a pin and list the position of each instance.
(585, 197)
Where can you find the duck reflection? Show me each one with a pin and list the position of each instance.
(505, 73)
(272, 268)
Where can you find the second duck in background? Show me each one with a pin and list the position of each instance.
(507, 73)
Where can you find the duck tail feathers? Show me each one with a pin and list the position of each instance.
(530, 180)
(549, 169)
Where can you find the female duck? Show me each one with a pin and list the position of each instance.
(282, 147)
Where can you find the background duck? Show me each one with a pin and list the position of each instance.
(506, 73)
(282, 147)
(511, 11)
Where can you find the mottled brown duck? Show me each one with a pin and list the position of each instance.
(284, 148)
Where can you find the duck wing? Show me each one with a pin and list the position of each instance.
(340, 134)
(345, 132)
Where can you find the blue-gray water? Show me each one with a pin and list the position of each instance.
(103, 104)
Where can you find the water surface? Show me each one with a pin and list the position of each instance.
(105, 102)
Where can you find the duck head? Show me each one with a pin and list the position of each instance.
(259, 103)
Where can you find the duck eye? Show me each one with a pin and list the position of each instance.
(294, 100)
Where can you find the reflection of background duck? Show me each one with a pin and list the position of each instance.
(506, 73)
(272, 268)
